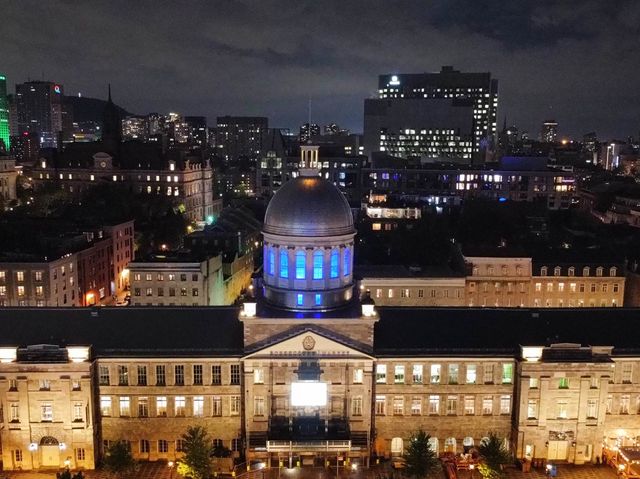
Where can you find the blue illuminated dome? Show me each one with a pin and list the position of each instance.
(308, 245)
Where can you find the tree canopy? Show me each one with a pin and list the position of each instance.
(494, 453)
(118, 459)
(196, 462)
(420, 458)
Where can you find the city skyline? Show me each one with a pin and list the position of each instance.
(268, 60)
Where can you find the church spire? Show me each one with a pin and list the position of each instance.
(109, 100)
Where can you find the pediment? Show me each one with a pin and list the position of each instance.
(308, 343)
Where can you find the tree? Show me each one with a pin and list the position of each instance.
(421, 458)
(196, 462)
(118, 459)
(494, 454)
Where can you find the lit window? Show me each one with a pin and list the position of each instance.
(299, 299)
(271, 265)
(284, 264)
(318, 299)
(335, 263)
(300, 264)
(318, 259)
(347, 262)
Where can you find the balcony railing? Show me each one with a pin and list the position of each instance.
(318, 446)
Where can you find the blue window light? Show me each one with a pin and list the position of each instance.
(334, 264)
(347, 261)
(300, 264)
(284, 264)
(318, 260)
(271, 265)
(299, 299)
(318, 299)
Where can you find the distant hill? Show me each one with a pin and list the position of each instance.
(89, 109)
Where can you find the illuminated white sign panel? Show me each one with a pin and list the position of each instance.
(308, 394)
(394, 80)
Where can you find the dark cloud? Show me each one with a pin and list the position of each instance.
(576, 61)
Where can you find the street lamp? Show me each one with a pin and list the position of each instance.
(170, 464)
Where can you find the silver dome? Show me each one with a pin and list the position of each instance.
(308, 206)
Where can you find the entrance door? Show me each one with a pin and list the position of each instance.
(558, 450)
(50, 455)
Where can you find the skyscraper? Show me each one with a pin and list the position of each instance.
(4, 115)
(240, 137)
(549, 131)
(434, 102)
(39, 109)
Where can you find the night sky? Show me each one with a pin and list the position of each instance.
(575, 61)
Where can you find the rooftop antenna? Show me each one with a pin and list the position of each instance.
(309, 125)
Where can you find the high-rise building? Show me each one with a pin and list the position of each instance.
(308, 131)
(240, 137)
(197, 130)
(549, 131)
(39, 109)
(4, 115)
(415, 114)
(135, 127)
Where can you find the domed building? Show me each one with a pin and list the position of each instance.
(308, 242)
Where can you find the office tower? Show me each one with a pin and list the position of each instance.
(429, 114)
(4, 115)
(308, 131)
(135, 128)
(549, 131)
(197, 130)
(240, 137)
(39, 109)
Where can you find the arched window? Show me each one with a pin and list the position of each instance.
(433, 444)
(613, 271)
(556, 271)
(335, 263)
(543, 271)
(318, 263)
(300, 264)
(271, 261)
(346, 268)
(284, 263)
(450, 444)
(586, 271)
(397, 446)
(572, 271)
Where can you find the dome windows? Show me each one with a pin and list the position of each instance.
(334, 265)
(318, 264)
(346, 268)
(271, 261)
(300, 264)
(284, 264)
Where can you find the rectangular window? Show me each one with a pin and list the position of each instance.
(234, 408)
(103, 375)
(179, 374)
(381, 374)
(46, 412)
(435, 373)
(45, 385)
(318, 260)
(487, 405)
(300, 264)
(216, 406)
(533, 383)
(471, 374)
(356, 406)
(609, 403)
(180, 406)
(125, 406)
(143, 407)
(17, 455)
(123, 376)
(417, 373)
(161, 406)
(105, 405)
(381, 405)
(235, 374)
(592, 408)
(562, 408)
(78, 412)
(563, 383)
(627, 372)
(179, 445)
(258, 376)
(145, 446)
(142, 375)
(532, 409)
(434, 404)
(161, 378)
(216, 375)
(416, 406)
(399, 374)
(163, 446)
(80, 453)
(453, 374)
(198, 406)
(398, 405)
(452, 405)
(625, 400)
(469, 405)
(505, 404)
(15, 412)
(358, 376)
(507, 373)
